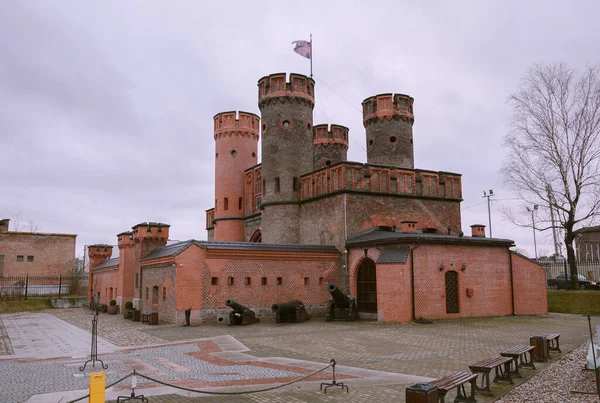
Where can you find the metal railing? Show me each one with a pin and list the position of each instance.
(28, 287)
(591, 270)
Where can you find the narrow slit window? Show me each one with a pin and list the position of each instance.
(226, 204)
(230, 281)
(248, 280)
(214, 281)
(279, 280)
(240, 203)
(277, 185)
(263, 281)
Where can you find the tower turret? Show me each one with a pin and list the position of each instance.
(287, 151)
(330, 145)
(388, 119)
(99, 253)
(236, 145)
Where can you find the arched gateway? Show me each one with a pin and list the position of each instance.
(366, 286)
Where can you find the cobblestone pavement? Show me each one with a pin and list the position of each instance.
(428, 350)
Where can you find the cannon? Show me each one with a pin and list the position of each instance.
(240, 315)
(293, 311)
(341, 306)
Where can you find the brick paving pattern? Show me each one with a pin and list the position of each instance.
(430, 350)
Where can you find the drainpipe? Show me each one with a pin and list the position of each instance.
(512, 285)
(412, 279)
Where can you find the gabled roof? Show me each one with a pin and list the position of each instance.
(381, 236)
(107, 263)
(177, 248)
(391, 254)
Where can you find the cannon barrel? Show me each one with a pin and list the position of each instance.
(235, 306)
(285, 307)
(341, 299)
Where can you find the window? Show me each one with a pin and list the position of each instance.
(110, 294)
(248, 280)
(147, 293)
(226, 204)
(214, 281)
(137, 280)
(30, 258)
(240, 202)
(321, 280)
(277, 184)
(263, 188)
(20, 258)
(279, 281)
(164, 293)
(295, 184)
(306, 281)
(263, 281)
(230, 280)
(1, 265)
(155, 294)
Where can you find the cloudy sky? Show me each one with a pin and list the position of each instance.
(106, 107)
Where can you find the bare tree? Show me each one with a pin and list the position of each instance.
(554, 150)
(19, 226)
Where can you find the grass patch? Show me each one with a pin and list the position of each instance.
(24, 305)
(574, 301)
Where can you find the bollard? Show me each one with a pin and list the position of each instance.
(421, 393)
(540, 352)
(97, 384)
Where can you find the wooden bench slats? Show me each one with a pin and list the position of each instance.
(517, 350)
(451, 381)
(489, 363)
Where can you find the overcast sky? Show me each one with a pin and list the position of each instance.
(106, 107)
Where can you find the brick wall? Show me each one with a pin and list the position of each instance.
(161, 276)
(53, 254)
(530, 287)
(104, 280)
(304, 278)
(486, 272)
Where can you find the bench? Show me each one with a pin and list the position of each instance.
(456, 380)
(484, 367)
(553, 344)
(519, 356)
(146, 318)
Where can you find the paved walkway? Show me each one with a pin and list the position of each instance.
(376, 360)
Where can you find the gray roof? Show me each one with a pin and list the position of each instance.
(108, 263)
(381, 236)
(168, 250)
(177, 248)
(587, 229)
(391, 254)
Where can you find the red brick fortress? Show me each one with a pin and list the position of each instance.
(305, 217)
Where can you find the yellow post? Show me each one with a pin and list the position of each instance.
(97, 383)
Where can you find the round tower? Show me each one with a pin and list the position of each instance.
(286, 109)
(388, 119)
(236, 147)
(330, 145)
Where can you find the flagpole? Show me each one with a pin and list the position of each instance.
(311, 55)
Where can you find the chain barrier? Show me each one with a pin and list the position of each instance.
(211, 392)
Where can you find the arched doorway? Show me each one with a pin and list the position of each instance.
(451, 292)
(366, 286)
(256, 237)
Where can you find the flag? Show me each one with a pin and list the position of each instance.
(303, 48)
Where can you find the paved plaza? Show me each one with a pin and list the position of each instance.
(40, 355)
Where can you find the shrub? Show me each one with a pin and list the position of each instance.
(113, 302)
(128, 305)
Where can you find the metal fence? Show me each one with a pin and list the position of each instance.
(591, 270)
(28, 287)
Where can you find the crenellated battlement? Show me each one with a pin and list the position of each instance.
(149, 230)
(125, 239)
(388, 106)
(243, 123)
(352, 176)
(276, 86)
(100, 251)
(337, 136)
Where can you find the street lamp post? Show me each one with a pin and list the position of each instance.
(535, 207)
(488, 204)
